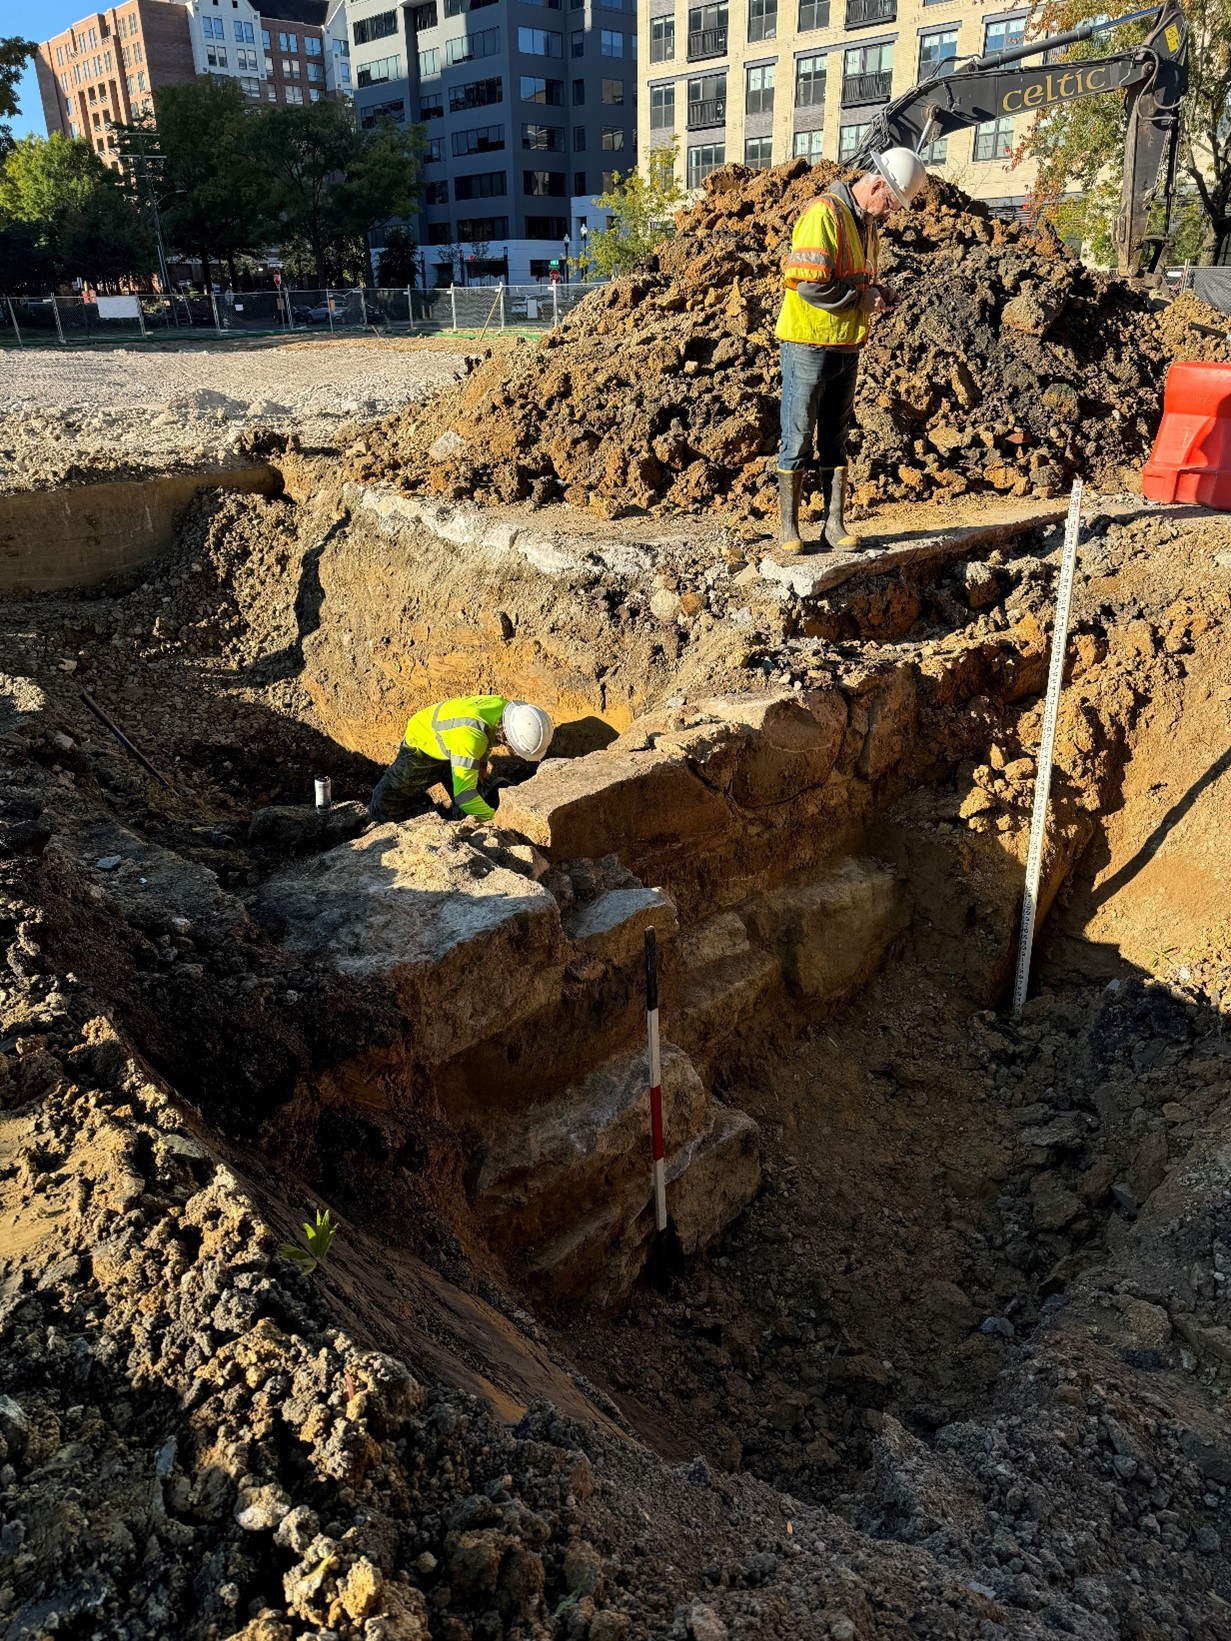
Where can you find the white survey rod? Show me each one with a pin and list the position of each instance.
(1047, 747)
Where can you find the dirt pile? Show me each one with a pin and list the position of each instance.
(1006, 366)
(1192, 329)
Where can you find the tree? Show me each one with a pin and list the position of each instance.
(74, 211)
(399, 264)
(1076, 142)
(14, 53)
(201, 168)
(639, 208)
(332, 180)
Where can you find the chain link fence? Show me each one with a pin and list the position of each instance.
(74, 321)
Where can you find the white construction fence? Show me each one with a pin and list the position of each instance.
(74, 321)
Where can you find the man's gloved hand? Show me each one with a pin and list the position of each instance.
(871, 300)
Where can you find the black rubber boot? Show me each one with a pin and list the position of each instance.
(790, 489)
(833, 486)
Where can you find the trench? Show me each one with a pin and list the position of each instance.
(821, 811)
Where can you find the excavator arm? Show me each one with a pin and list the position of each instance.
(1153, 77)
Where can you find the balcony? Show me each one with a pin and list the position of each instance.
(707, 42)
(866, 88)
(713, 111)
(859, 12)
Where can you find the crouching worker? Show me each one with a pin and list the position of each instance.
(450, 743)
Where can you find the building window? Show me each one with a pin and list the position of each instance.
(429, 63)
(757, 152)
(479, 230)
(662, 39)
(432, 107)
(579, 93)
(440, 233)
(379, 27)
(808, 146)
(579, 139)
(993, 140)
(395, 110)
(707, 101)
(379, 70)
(810, 81)
(534, 90)
(762, 19)
(213, 28)
(435, 152)
(613, 138)
(544, 184)
(936, 152)
(867, 74)
(244, 35)
(216, 56)
(610, 43)
(290, 68)
(294, 94)
(936, 48)
(436, 193)
(476, 94)
(759, 89)
(485, 185)
(485, 42)
(316, 72)
(246, 61)
(850, 140)
(540, 42)
(860, 12)
(313, 46)
(1000, 36)
(577, 43)
(704, 159)
(707, 30)
(547, 227)
(480, 139)
(613, 93)
(579, 182)
(549, 137)
(662, 108)
(288, 42)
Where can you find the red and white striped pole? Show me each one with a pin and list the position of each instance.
(657, 1144)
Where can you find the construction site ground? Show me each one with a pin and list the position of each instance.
(938, 1345)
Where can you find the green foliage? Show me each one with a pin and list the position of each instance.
(398, 260)
(14, 54)
(68, 216)
(640, 207)
(1079, 146)
(319, 1238)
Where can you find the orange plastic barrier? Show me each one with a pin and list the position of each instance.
(1191, 459)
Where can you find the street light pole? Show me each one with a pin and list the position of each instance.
(585, 249)
(567, 243)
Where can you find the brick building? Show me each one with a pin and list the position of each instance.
(106, 67)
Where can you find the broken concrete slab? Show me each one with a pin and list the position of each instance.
(293, 827)
(818, 573)
(831, 934)
(613, 926)
(418, 906)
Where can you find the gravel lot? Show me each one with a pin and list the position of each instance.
(70, 417)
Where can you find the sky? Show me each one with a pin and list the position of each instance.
(36, 20)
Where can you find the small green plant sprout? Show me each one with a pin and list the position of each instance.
(320, 1239)
(1163, 957)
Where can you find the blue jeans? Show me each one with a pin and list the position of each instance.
(818, 403)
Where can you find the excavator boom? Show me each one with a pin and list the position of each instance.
(1153, 76)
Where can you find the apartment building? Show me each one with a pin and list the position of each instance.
(762, 81)
(525, 106)
(106, 67)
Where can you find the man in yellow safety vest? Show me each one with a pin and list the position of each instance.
(831, 293)
(450, 743)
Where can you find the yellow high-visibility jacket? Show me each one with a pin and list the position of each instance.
(461, 732)
(826, 245)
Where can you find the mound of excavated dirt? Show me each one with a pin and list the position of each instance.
(1005, 366)
(1192, 329)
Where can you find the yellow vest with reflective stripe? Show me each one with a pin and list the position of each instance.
(826, 245)
(460, 732)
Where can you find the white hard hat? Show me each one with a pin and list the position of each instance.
(527, 729)
(902, 172)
